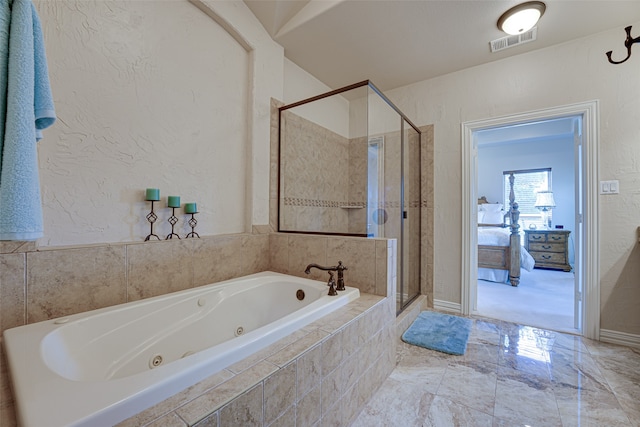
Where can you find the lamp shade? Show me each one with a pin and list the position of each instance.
(521, 18)
(544, 199)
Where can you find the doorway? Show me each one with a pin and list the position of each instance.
(539, 156)
(586, 197)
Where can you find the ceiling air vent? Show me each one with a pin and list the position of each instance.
(511, 41)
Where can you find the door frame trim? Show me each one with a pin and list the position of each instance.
(591, 266)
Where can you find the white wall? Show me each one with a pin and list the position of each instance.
(556, 154)
(155, 94)
(331, 113)
(573, 72)
(371, 115)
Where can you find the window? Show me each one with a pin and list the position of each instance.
(526, 185)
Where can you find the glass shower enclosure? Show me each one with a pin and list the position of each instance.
(350, 165)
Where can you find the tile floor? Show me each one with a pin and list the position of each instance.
(510, 375)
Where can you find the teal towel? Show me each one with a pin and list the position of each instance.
(5, 20)
(29, 109)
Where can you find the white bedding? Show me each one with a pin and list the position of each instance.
(496, 236)
(493, 236)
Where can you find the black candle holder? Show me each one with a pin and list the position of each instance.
(151, 217)
(192, 223)
(172, 220)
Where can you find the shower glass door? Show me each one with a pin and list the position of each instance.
(394, 190)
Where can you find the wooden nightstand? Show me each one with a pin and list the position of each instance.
(550, 248)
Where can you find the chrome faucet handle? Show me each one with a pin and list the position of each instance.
(332, 284)
(340, 269)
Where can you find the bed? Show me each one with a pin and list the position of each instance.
(500, 253)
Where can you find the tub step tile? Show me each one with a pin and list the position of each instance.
(177, 400)
(308, 408)
(287, 419)
(279, 393)
(212, 400)
(245, 410)
(169, 420)
(264, 354)
(293, 351)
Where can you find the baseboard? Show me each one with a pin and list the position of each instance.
(453, 307)
(620, 338)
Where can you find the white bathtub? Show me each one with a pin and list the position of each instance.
(101, 367)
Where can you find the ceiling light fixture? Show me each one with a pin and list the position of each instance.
(522, 17)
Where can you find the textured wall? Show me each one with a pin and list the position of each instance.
(153, 94)
(569, 73)
(331, 113)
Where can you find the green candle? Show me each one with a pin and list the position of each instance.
(152, 194)
(173, 201)
(190, 208)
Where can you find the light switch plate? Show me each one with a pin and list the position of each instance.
(609, 187)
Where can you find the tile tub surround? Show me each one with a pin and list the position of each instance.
(38, 285)
(323, 373)
(44, 284)
(367, 260)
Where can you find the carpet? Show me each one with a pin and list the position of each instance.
(442, 332)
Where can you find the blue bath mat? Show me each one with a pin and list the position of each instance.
(441, 332)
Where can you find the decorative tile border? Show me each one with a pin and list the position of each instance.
(296, 201)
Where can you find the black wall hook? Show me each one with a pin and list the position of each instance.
(629, 41)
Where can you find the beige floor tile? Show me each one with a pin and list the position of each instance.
(540, 377)
(444, 412)
(396, 404)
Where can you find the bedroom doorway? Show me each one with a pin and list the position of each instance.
(583, 121)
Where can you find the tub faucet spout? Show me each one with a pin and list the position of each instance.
(331, 283)
(319, 267)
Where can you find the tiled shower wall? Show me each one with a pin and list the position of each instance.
(311, 202)
(424, 202)
(36, 285)
(313, 152)
(427, 164)
(358, 184)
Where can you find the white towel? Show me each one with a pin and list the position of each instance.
(29, 109)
